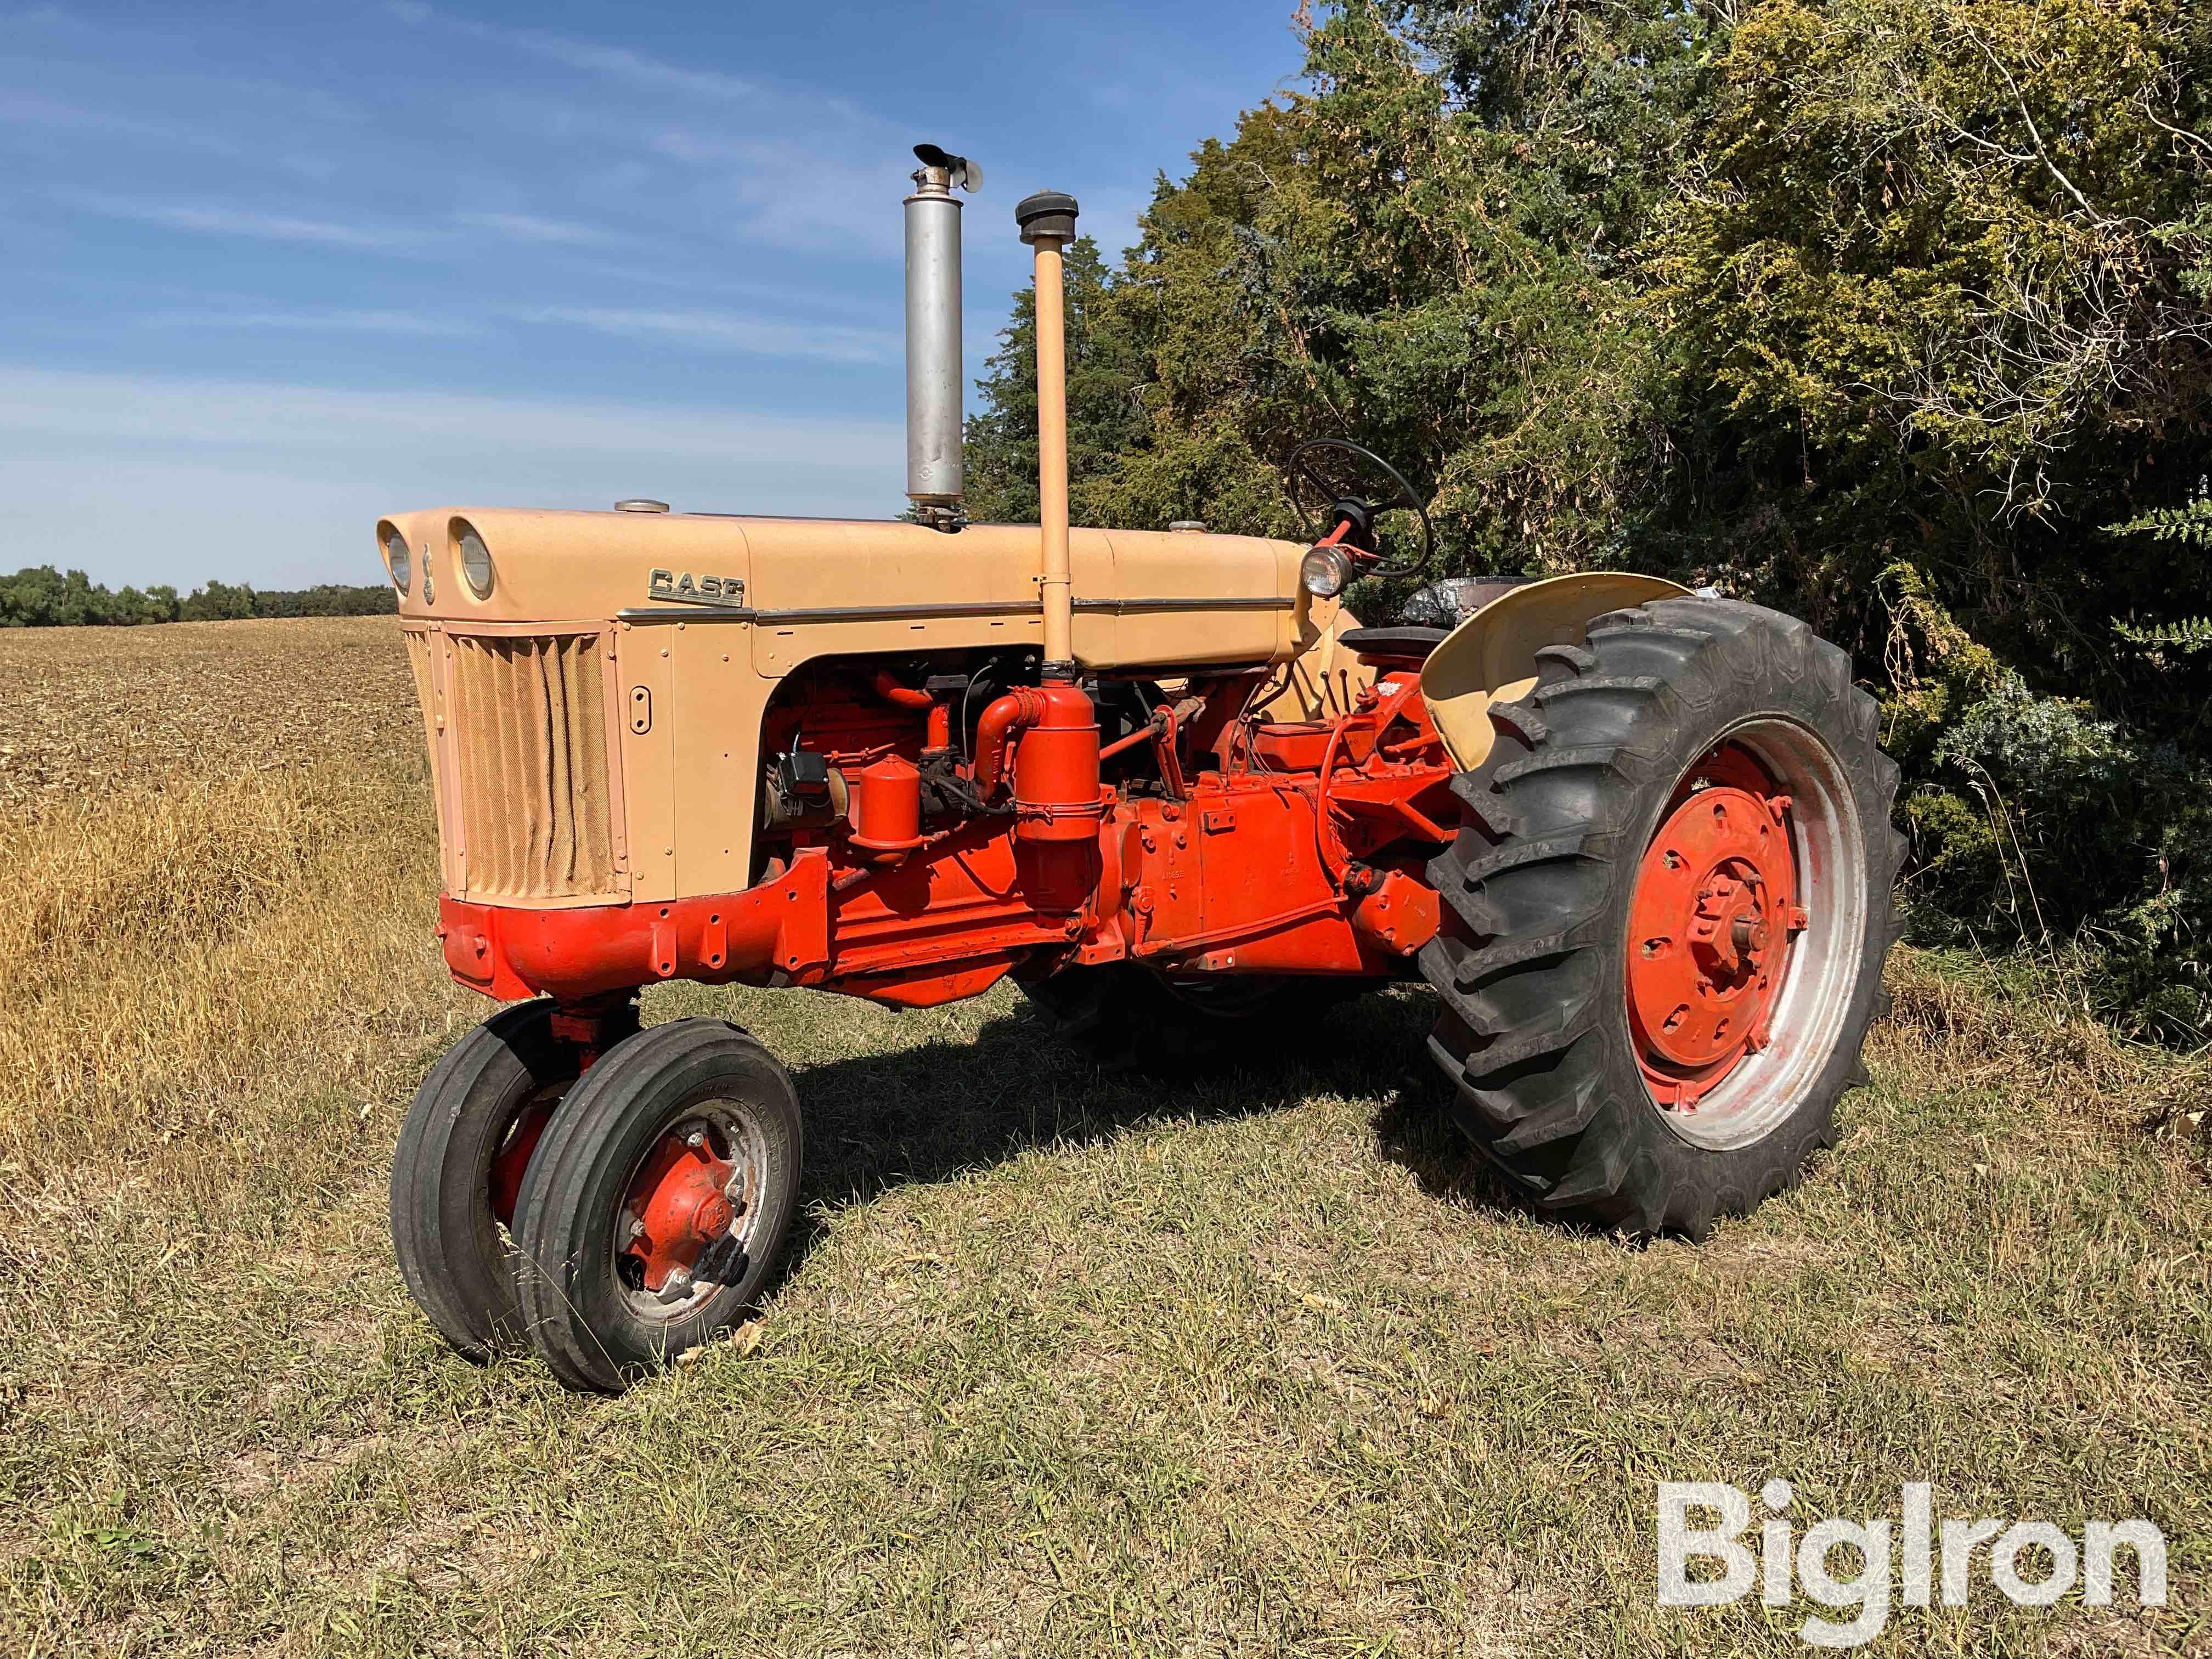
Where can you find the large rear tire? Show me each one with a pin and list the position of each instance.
(1666, 916)
(658, 1203)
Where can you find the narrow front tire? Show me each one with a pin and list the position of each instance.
(462, 1153)
(657, 1204)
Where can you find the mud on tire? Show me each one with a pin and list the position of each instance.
(1554, 1078)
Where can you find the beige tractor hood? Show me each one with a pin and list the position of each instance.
(818, 586)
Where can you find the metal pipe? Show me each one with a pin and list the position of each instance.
(934, 482)
(1047, 222)
(1005, 718)
(906, 696)
(1055, 591)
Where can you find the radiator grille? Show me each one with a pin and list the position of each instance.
(530, 733)
(426, 684)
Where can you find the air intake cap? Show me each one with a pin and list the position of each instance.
(1048, 213)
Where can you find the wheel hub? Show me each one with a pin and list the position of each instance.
(686, 1196)
(1709, 928)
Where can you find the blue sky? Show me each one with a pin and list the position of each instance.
(268, 270)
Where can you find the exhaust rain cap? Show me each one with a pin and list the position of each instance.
(960, 173)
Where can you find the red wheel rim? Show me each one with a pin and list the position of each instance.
(1715, 911)
(692, 1189)
(512, 1162)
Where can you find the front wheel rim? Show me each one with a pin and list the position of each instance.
(690, 1212)
(1746, 933)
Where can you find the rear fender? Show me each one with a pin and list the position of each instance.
(1492, 656)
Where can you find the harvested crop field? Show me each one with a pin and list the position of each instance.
(1063, 1363)
(92, 711)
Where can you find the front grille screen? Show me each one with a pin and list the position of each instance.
(530, 735)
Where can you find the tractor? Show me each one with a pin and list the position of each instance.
(1636, 838)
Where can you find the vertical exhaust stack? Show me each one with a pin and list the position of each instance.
(933, 480)
(1047, 222)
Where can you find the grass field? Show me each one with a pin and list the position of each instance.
(1063, 1363)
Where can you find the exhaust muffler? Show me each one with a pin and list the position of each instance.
(934, 483)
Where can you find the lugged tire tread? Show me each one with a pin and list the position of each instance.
(1529, 885)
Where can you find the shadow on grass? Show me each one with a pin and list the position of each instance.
(928, 1113)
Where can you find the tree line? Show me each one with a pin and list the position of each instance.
(38, 596)
(1893, 314)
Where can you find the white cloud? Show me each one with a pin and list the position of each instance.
(529, 227)
(143, 480)
(622, 63)
(29, 109)
(742, 170)
(60, 403)
(726, 332)
(341, 321)
(265, 227)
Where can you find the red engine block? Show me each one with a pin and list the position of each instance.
(1223, 845)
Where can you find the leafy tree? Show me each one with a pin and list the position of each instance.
(1104, 417)
(1874, 310)
(39, 596)
(217, 601)
(327, 599)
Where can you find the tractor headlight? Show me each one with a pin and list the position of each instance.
(395, 556)
(476, 563)
(1324, 572)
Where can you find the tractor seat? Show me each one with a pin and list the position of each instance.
(1451, 602)
(1385, 645)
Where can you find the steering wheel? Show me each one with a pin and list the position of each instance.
(1357, 510)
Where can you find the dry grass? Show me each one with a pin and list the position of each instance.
(214, 862)
(1062, 1365)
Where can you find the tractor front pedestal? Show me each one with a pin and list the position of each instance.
(779, 927)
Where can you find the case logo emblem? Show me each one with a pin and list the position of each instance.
(685, 588)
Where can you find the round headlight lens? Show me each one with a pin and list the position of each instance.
(1324, 571)
(476, 564)
(395, 555)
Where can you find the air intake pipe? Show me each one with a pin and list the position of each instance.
(934, 483)
(1047, 222)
